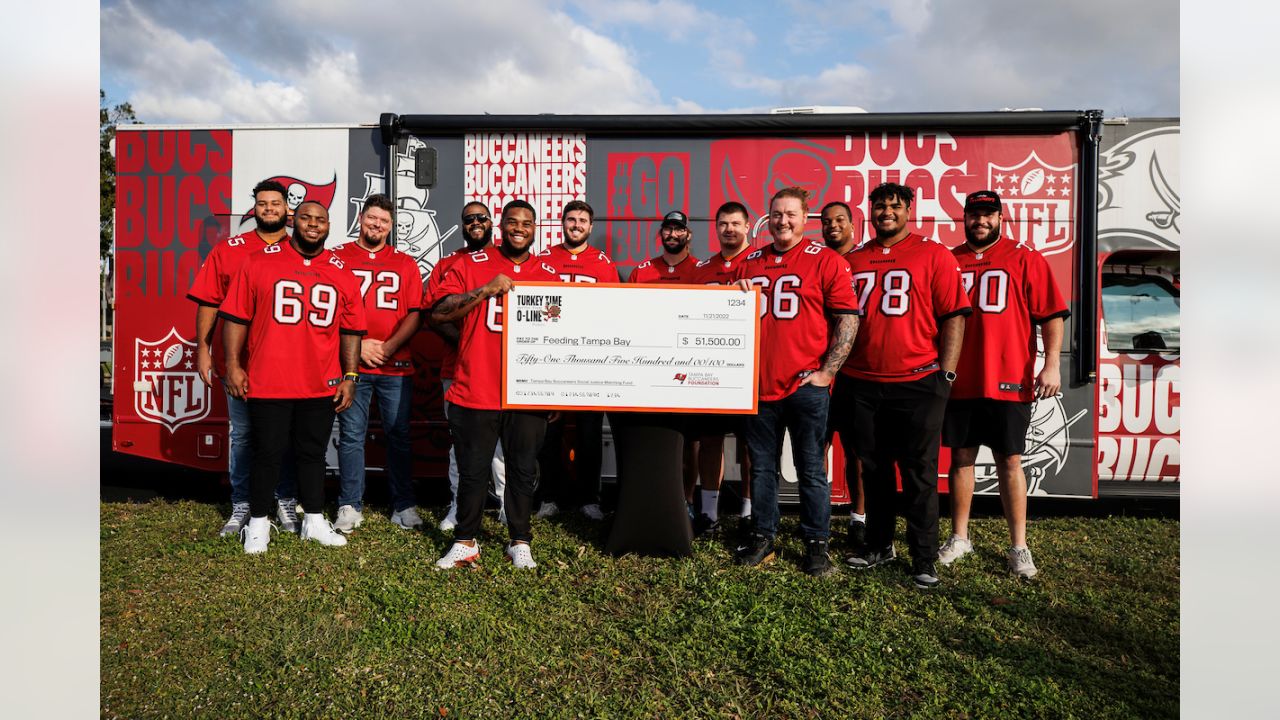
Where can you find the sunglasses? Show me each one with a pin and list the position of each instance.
(474, 218)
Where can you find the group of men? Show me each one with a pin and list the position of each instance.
(893, 344)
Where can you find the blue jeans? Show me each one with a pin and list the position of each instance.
(240, 456)
(395, 395)
(804, 414)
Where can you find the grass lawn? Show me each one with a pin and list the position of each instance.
(191, 627)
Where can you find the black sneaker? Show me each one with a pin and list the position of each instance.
(865, 559)
(923, 575)
(757, 549)
(816, 561)
(857, 534)
(704, 527)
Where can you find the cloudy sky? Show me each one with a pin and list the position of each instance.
(336, 61)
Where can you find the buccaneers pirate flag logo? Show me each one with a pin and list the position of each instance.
(167, 389)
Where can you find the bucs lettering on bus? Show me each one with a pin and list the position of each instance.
(1139, 417)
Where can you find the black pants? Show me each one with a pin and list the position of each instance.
(577, 483)
(898, 424)
(475, 436)
(841, 420)
(276, 426)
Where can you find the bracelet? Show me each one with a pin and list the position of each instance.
(351, 376)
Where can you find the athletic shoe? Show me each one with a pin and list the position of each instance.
(235, 523)
(287, 514)
(407, 519)
(866, 559)
(520, 556)
(923, 575)
(857, 534)
(548, 509)
(459, 555)
(450, 520)
(256, 534)
(816, 561)
(1020, 563)
(756, 550)
(315, 527)
(593, 511)
(953, 549)
(349, 518)
(704, 526)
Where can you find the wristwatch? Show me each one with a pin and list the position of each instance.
(949, 375)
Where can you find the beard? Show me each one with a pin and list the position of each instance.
(271, 227)
(306, 247)
(676, 246)
(477, 243)
(992, 237)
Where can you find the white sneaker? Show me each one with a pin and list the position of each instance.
(1020, 562)
(348, 519)
(459, 555)
(520, 556)
(593, 511)
(235, 523)
(450, 520)
(287, 514)
(256, 534)
(315, 527)
(953, 549)
(406, 518)
(548, 509)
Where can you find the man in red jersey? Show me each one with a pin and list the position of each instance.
(675, 264)
(391, 291)
(208, 291)
(808, 321)
(472, 292)
(1011, 289)
(838, 233)
(900, 371)
(733, 223)
(558, 487)
(477, 233)
(299, 307)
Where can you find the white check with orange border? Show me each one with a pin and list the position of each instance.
(624, 347)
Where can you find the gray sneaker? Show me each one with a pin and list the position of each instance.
(953, 549)
(349, 518)
(923, 576)
(548, 509)
(868, 559)
(407, 519)
(1020, 563)
(239, 516)
(287, 514)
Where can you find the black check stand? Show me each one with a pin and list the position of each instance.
(651, 517)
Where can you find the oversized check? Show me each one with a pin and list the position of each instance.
(610, 346)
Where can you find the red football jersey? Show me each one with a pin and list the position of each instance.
(449, 362)
(799, 290)
(716, 270)
(214, 277)
(391, 286)
(658, 271)
(589, 265)
(1010, 287)
(477, 381)
(295, 308)
(904, 291)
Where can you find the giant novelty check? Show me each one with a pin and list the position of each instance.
(608, 346)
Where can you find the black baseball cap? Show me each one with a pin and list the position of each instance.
(675, 217)
(982, 200)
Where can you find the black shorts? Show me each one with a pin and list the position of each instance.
(999, 424)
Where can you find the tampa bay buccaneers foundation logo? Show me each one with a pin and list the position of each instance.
(167, 389)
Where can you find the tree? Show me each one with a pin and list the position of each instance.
(108, 118)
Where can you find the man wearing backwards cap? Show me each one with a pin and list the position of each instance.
(1010, 287)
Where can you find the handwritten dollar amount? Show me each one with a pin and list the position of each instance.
(711, 341)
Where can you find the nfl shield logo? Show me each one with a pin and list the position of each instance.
(167, 388)
(1038, 200)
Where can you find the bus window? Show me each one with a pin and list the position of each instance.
(1141, 307)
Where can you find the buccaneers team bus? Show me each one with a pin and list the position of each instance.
(1097, 197)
